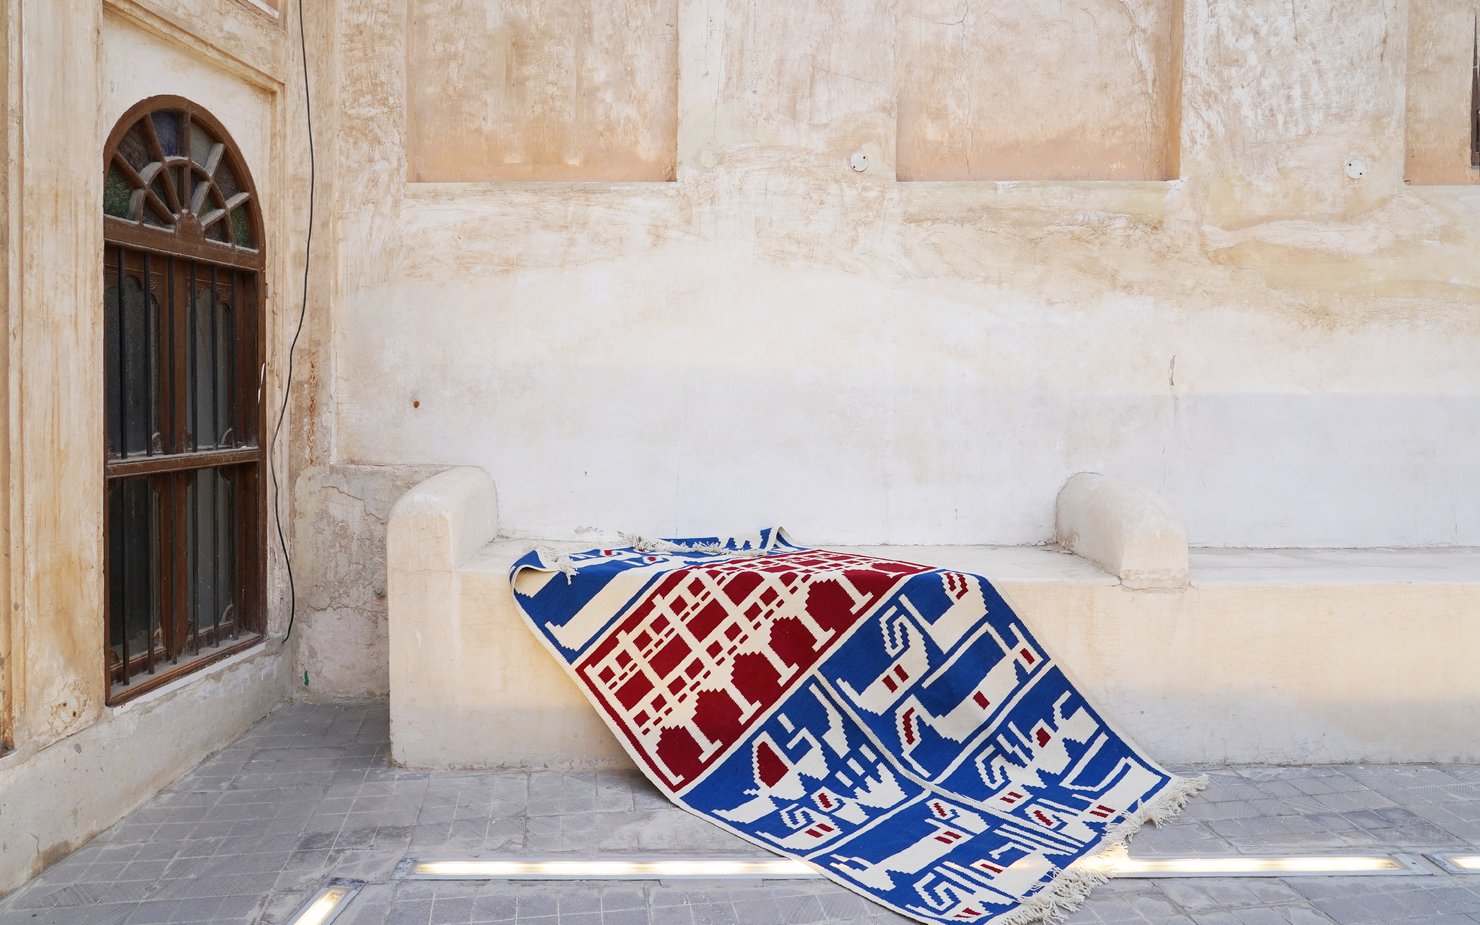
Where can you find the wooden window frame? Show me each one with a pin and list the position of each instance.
(181, 254)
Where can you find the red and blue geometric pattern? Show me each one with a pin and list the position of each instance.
(894, 724)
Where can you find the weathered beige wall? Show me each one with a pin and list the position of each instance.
(341, 573)
(1282, 350)
(1025, 90)
(539, 90)
(1441, 52)
(73, 67)
(56, 412)
(9, 137)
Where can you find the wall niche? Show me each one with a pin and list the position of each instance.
(1442, 91)
(509, 90)
(985, 95)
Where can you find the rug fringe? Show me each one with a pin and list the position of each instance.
(561, 561)
(670, 548)
(1072, 887)
(557, 560)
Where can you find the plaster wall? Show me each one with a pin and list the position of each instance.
(529, 90)
(72, 67)
(340, 569)
(138, 63)
(1099, 100)
(1282, 350)
(55, 493)
(8, 180)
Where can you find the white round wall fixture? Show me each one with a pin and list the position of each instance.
(858, 161)
(1356, 168)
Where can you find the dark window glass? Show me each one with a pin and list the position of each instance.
(216, 225)
(130, 368)
(212, 361)
(212, 567)
(159, 191)
(133, 574)
(135, 149)
(200, 145)
(226, 181)
(117, 193)
(241, 228)
(167, 130)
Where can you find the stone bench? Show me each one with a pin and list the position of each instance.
(1203, 656)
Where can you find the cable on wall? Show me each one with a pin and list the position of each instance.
(277, 508)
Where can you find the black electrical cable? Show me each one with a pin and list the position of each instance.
(277, 509)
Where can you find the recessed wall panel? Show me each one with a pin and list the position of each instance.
(541, 90)
(1441, 93)
(1023, 89)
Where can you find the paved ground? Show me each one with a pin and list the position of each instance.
(307, 794)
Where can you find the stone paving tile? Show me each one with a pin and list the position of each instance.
(309, 794)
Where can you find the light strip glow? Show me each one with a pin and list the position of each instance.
(1458, 863)
(1293, 866)
(324, 906)
(627, 869)
(728, 869)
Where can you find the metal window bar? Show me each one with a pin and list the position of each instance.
(152, 495)
(177, 568)
(231, 410)
(171, 577)
(167, 528)
(123, 452)
(108, 608)
(194, 541)
(214, 309)
(172, 439)
(215, 478)
(193, 394)
(211, 475)
(191, 489)
(122, 375)
(149, 328)
(123, 594)
(152, 622)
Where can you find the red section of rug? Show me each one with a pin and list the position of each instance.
(706, 654)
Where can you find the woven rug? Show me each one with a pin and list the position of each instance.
(894, 724)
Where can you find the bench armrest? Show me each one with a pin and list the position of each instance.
(1127, 531)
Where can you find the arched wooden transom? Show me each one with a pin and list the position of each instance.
(171, 169)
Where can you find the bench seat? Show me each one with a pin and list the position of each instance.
(1262, 656)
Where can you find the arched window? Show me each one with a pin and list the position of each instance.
(183, 359)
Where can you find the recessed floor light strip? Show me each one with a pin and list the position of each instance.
(781, 869)
(613, 869)
(1457, 863)
(1346, 865)
(324, 906)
